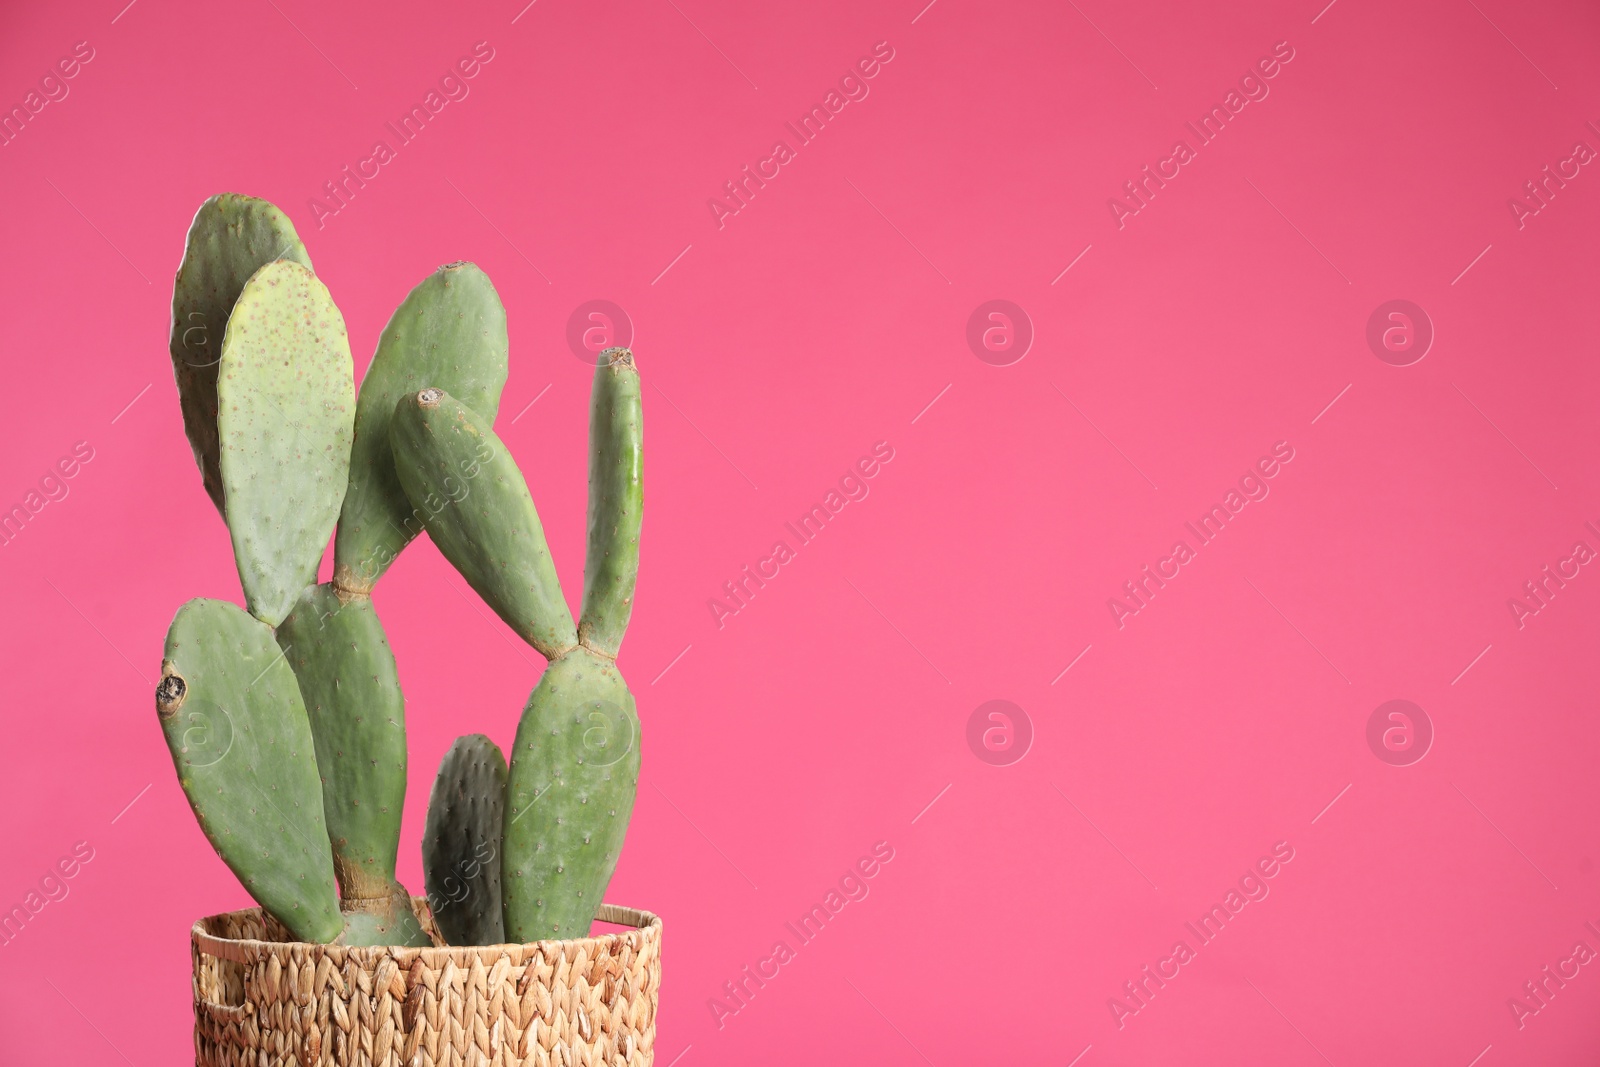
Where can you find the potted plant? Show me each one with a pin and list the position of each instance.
(286, 721)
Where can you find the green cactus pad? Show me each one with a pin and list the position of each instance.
(347, 677)
(449, 332)
(231, 711)
(461, 843)
(616, 501)
(475, 505)
(286, 404)
(231, 237)
(569, 793)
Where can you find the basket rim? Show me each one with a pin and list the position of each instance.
(646, 927)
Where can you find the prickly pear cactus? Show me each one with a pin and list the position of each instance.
(476, 508)
(291, 745)
(232, 715)
(575, 763)
(286, 405)
(574, 771)
(230, 238)
(450, 332)
(461, 843)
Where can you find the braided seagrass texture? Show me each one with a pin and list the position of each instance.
(261, 1000)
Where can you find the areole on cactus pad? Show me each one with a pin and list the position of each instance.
(286, 721)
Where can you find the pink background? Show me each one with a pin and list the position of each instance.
(824, 317)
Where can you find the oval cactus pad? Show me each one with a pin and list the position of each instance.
(340, 654)
(569, 792)
(469, 495)
(286, 404)
(450, 332)
(231, 711)
(461, 842)
(231, 237)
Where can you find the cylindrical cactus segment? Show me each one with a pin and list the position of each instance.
(286, 408)
(231, 711)
(616, 502)
(231, 237)
(470, 496)
(461, 842)
(569, 794)
(450, 332)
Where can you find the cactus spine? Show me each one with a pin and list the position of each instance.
(286, 723)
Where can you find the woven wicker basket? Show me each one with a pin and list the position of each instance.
(261, 1000)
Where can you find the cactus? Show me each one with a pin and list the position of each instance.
(461, 844)
(286, 723)
(450, 327)
(575, 761)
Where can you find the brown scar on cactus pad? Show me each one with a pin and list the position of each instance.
(170, 691)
